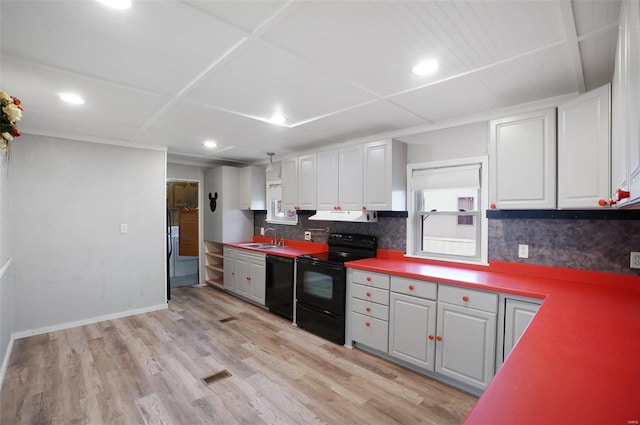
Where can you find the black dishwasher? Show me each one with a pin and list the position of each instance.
(279, 296)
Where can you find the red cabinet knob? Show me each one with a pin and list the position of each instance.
(621, 194)
(492, 206)
(368, 309)
(364, 208)
(335, 207)
(368, 278)
(368, 294)
(233, 273)
(367, 324)
(465, 298)
(411, 287)
(248, 278)
(339, 207)
(438, 338)
(603, 203)
(430, 337)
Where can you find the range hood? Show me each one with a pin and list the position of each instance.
(352, 216)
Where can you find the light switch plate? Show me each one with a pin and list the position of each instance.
(124, 228)
(523, 251)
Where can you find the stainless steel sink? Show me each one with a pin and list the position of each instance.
(257, 245)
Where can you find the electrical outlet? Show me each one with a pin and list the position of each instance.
(307, 236)
(124, 228)
(262, 231)
(635, 260)
(523, 251)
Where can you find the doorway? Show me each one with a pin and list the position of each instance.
(183, 233)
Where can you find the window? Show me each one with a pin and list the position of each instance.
(275, 212)
(447, 201)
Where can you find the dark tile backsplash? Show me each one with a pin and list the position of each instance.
(599, 245)
(391, 231)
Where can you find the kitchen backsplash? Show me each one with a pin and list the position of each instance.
(391, 231)
(599, 245)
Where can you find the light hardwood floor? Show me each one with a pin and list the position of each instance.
(148, 369)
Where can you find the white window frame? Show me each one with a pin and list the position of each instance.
(414, 229)
(271, 184)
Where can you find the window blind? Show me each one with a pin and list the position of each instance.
(464, 176)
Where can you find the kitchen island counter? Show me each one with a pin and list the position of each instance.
(579, 359)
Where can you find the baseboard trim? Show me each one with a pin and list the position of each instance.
(68, 325)
(5, 361)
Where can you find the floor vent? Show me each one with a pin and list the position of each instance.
(216, 377)
(227, 319)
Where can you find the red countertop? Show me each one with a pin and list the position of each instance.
(292, 249)
(578, 361)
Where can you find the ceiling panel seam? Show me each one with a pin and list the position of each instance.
(573, 48)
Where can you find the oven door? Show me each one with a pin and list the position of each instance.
(321, 285)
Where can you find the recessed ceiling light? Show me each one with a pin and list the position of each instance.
(117, 4)
(278, 118)
(71, 98)
(210, 144)
(426, 67)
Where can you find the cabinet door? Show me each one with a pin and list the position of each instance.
(517, 316)
(258, 281)
(307, 182)
(327, 183)
(289, 174)
(522, 155)
(243, 278)
(466, 349)
(412, 328)
(377, 175)
(583, 150)
(229, 270)
(350, 183)
(619, 155)
(370, 331)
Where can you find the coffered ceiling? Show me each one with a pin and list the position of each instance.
(177, 73)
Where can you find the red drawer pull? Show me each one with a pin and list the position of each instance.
(367, 324)
(411, 287)
(368, 294)
(368, 279)
(438, 338)
(465, 298)
(430, 337)
(248, 278)
(368, 309)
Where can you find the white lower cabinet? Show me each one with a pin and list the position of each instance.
(370, 309)
(250, 273)
(230, 269)
(439, 328)
(412, 329)
(515, 316)
(466, 341)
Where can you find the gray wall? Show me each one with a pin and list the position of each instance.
(70, 261)
(6, 267)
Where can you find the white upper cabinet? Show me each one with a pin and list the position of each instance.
(327, 175)
(522, 155)
(289, 175)
(385, 177)
(252, 188)
(584, 142)
(350, 178)
(307, 182)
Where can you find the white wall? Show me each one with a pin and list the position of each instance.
(71, 264)
(466, 141)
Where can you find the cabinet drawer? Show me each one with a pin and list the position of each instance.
(368, 293)
(377, 280)
(368, 308)
(486, 301)
(417, 288)
(370, 331)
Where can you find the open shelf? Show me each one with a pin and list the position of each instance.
(214, 266)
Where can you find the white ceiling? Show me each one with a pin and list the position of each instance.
(175, 73)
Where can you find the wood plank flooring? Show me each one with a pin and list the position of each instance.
(148, 369)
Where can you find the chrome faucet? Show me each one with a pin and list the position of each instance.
(275, 235)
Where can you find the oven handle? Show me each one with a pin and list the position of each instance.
(315, 263)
